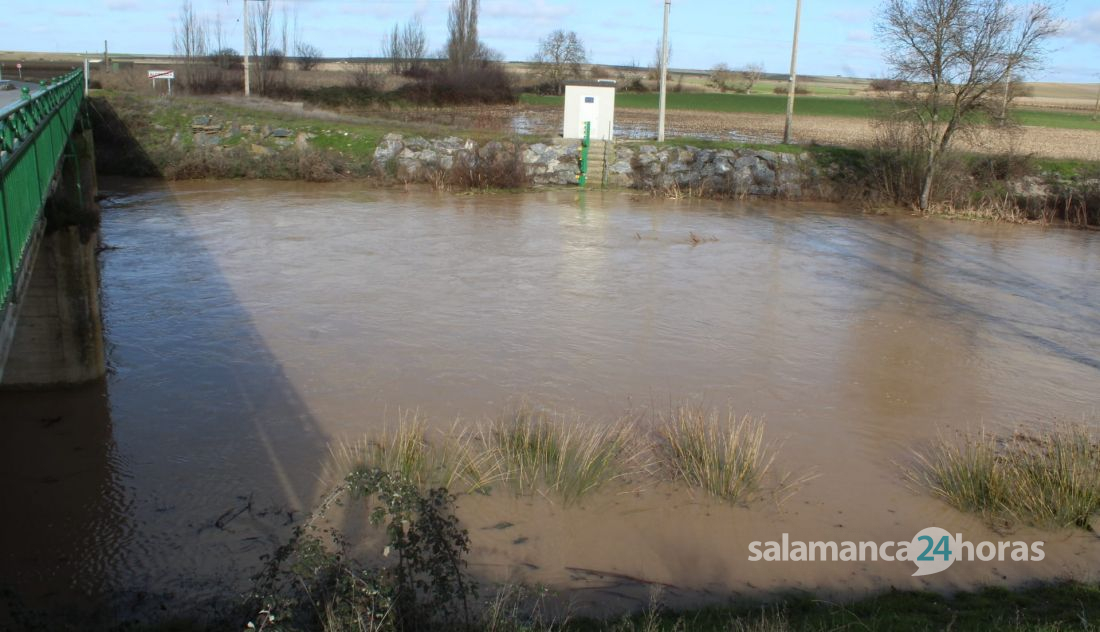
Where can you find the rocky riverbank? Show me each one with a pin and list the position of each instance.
(190, 138)
(649, 167)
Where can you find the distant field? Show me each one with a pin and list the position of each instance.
(807, 106)
(745, 103)
(1054, 118)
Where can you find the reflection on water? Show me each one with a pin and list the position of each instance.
(66, 506)
(252, 323)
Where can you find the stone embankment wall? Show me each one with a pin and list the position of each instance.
(732, 171)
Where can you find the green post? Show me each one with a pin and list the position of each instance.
(584, 154)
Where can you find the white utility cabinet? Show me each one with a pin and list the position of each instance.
(593, 102)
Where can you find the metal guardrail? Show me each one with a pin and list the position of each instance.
(33, 135)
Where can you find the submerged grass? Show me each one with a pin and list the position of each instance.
(452, 460)
(1052, 481)
(540, 452)
(534, 451)
(721, 454)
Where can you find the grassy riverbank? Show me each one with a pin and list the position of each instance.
(1045, 608)
(219, 137)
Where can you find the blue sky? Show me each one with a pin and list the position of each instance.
(837, 37)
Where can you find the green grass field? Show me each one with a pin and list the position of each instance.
(806, 106)
(745, 103)
(1054, 118)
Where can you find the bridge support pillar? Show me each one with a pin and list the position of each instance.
(58, 339)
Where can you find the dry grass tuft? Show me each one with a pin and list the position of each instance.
(540, 452)
(721, 454)
(1047, 481)
(453, 460)
(536, 451)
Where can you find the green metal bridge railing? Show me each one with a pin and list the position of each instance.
(33, 134)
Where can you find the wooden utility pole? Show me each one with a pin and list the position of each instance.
(106, 59)
(664, 77)
(794, 76)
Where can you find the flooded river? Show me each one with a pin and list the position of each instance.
(252, 324)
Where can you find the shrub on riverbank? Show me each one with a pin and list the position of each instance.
(1051, 480)
(1000, 187)
(314, 583)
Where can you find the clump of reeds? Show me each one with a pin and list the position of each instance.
(540, 452)
(721, 454)
(1047, 481)
(453, 460)
(963, 473)
(536, 451)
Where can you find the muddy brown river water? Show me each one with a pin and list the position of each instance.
(252, 324)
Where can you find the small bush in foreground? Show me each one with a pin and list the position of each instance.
(312, 583)
(1048, 481)
(429, 579)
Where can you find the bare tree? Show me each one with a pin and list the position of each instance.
(561, 55)
(393, 51)
(655, 72)
(955, 53)
(218, 33)
(415, 43)
(189, 41)
(285, 49)
(406, 47)
(464, 50)
(308, 56)
(721, 77)
(263, 43)
(1013, 86)
(750, 74)
(743, 80)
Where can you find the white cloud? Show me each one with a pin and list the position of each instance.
(372, 10)
(851, 15)
(858, 35)
(121, 5)
(1085, 29)
(537, 11)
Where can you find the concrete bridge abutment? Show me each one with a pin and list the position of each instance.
(58, 332)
